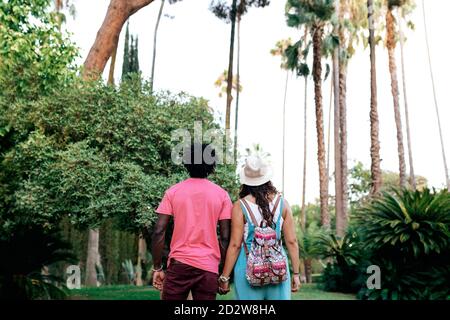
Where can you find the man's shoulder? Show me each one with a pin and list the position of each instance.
(218, 188)
(172, 189)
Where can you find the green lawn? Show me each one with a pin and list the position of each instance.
(307, 292)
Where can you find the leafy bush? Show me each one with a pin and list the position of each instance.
(21, 267)
(93, 152)
(407, 235)
(345, 261)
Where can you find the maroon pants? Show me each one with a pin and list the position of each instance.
(182, 278)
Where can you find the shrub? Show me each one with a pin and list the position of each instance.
(406, 233)
(342, 272)
(21, 274)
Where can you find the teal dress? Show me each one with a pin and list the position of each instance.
(242, 289)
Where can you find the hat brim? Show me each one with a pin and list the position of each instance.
(255, 181)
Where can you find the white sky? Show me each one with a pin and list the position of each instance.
(193, 51)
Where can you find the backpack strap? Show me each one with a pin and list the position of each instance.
(281, 209)
(246, 211)
(276, 205)
(252, 216)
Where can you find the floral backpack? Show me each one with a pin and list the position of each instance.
(266, 262)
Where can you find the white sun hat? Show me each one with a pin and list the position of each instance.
(256, 171)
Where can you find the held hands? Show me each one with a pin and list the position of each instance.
(158, 279)
(295, 284)
(224, 285)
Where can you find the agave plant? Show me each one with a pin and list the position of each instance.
(129, 270)
(25, 252)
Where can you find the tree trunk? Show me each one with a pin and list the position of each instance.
(230, 65)
(337, 142)
(284, 131)
(305, 122)
(342, 219)
(112, 66)
(238, 84)
(374, 122)
(412, 177)
(330, 108)
(308, 270)
(108, 35)
(317, 76)
(93, 256)
(436, 106)
(155, 35)
(390, 29)
(142, 251)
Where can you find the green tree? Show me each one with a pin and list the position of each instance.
(231, 13)
(315, 14)
(33, 50)
(94, 152)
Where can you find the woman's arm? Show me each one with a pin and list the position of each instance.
(237, 233)
(291, 243)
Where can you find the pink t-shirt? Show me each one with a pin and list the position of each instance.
(196, 206)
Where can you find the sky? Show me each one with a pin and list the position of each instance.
(192, 51)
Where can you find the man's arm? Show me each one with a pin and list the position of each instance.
(158, 237)
(224, 230)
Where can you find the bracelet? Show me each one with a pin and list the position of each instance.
(296, 273)
(157, 270)
(224, 279)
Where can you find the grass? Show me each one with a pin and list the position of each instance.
(125, 292)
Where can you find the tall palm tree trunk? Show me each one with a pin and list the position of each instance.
(155, 35)
(238, 84)
(342, 219)
(284, 130)
(230, 66)
(337, 142)
(93, 257)
(436, 107)
(305, 123)
(390, 29)
(412, 177)
(330, 108)
(317, 76)
(375, 167)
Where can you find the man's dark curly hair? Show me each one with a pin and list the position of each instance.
(199, 160)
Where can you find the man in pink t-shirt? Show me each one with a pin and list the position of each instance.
(197, 206)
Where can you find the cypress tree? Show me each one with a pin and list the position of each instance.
(126, 53)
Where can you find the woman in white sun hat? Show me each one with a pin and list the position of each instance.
(260, 205)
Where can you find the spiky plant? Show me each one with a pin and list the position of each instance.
(407, 234)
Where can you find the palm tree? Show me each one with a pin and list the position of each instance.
(412, 178)
(155, 35)
(315, 14)
(436, 107)
(241, 9)
(279, 50)
(352, 17)
(390, 44)
(232, 14)
(337, 123)
(230, 64)
(374, 122)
